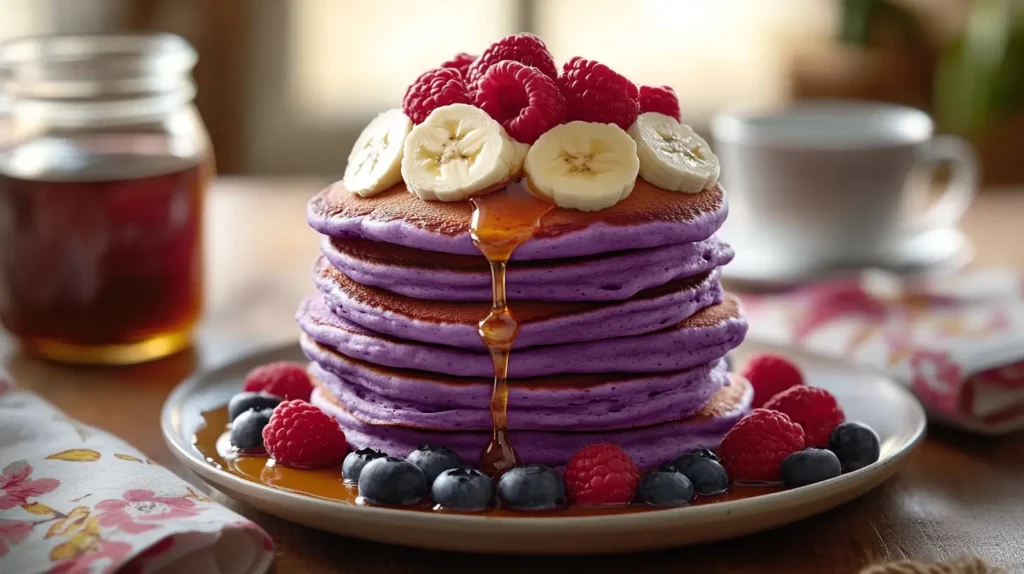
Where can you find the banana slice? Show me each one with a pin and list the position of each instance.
(672, 156)
(582, 165)
(375, 162)
(457, 152)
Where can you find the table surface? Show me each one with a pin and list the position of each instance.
(960, 494)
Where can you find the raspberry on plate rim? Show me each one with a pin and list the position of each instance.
(601, 474)
(300, 435)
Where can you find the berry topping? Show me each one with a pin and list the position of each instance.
(683, 461)
(301, 435)
(665, 486)
(812, 408)
(433, 89)
(464, 489)
(522, 99)
(661, 99)
(753, 450)
(809, 466)
(708, 476)
(770, 375)
(531, 487)
(460, 62)
(595, 93)
(855, 444)
(356, 460)
(392, 481)
(523, 48)
(247, 430)
(601, 474)
(284, 379)
(433, 460)
(251, 401)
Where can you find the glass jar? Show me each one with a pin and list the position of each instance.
(102, 181)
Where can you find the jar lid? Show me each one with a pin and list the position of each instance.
(91, 66)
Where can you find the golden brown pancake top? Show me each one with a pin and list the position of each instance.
(471, 312)
(644, 205)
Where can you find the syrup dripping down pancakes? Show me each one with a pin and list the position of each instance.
(623, 326)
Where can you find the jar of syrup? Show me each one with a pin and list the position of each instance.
(102, 177)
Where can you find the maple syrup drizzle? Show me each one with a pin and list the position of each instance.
(502, 221)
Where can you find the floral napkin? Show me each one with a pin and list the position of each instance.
(74, 499)
(956, 341)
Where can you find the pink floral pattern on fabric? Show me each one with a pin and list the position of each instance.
(942, 336)
(936, 380)
(139, 509)
(106, 554)
(11, 533)
(16, 488)
(77, 500)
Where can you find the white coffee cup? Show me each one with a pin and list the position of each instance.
(826, 184)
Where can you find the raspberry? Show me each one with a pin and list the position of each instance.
(770, 375)
(754, 449)
(522, 99)
(523, 48)
(284, 379)
(301, 435)
(661, 99)
(813, 409)
(595, 93)
(601, 474)
(460, 62)
(433, 89)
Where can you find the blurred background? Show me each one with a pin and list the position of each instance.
(285, 86)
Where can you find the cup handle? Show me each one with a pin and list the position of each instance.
(949, 208)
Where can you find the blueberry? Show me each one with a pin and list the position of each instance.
(433, 460)
(855, 444)
(463, 489)
(707, 476)
(355, 461)
(531, 487)
(809, 466)
(247, 430)
(247, 401)
(392, 481)
(665, 486)
(683, 461)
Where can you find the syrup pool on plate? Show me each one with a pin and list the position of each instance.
(213, 443)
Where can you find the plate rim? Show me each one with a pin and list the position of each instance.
(185, 452)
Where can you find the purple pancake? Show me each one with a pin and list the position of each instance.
(446, 277)
(541, 323)
(702, 338)
(649, 217)
(648, 446)
(418, 400)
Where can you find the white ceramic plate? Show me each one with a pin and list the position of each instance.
(866, 397)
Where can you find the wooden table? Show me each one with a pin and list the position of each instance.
(960, 494)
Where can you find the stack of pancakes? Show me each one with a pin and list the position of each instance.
(624, 326)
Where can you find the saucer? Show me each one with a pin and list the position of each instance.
(865, 396)
(932, 252)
